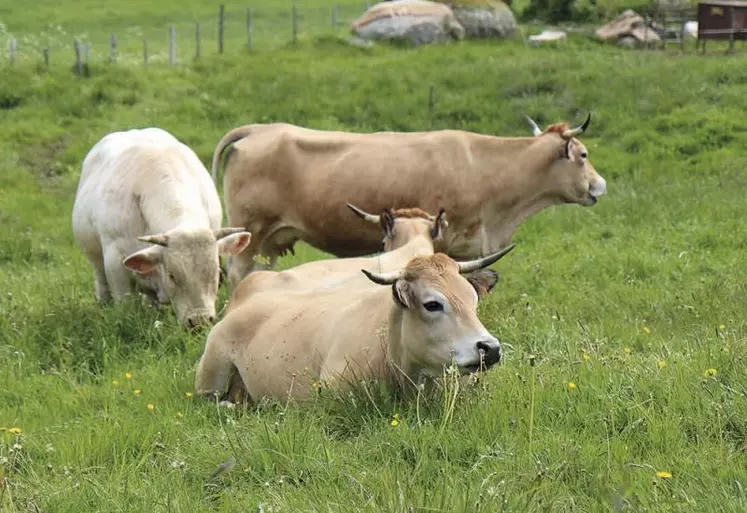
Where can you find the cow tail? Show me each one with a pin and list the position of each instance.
(231, 137)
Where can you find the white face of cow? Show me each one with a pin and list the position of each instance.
(184, 268)
(439, 312)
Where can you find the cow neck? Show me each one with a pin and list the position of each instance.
(519, 189)
(395, 359)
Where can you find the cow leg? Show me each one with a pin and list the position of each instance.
(103, 294)
(215, 369)
(117, 275)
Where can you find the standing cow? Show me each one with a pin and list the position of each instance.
(286, 183)
(147, 217)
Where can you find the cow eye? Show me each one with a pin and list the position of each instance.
(584, 154)
(172, 278)
(433, 306)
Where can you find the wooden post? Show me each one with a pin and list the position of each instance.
(45, 52)
(112, 48)
(732, 35)
(12, 50)
(294, 23)
(145, 52)
(198, 37)
(221, 26)
(431, 99)
(172, 45)
(78, 61)
(249, 35)
(335, 9)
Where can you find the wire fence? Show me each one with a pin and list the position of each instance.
(227, 32)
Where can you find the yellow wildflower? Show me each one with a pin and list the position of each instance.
(725, 350)
(14, 431)
(115, 382)
(151, 407)
(179, 415)
(188, 395)
(664, 474)
(627, 350)
(722, 327)
(648, 331)
(662, 364)
(586, 356)
(571, 385)
(710, 373)
(136, 391)
(395, 420)
(128, 375)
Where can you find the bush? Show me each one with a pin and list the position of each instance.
(554, 11)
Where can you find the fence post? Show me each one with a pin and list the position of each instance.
(12, 50)
(78, 61)
(172, 45)
(145, 51)
(198, 37)
(221, 26)
(112, 48)
(733, 25)
(294, 22)
(45, 52)
(335, 8)
(249, 36)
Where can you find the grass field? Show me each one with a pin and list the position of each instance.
(632, 310)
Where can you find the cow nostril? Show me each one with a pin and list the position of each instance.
(211, 319)
(491, 351)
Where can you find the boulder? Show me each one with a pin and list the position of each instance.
(416, 22)
(484, 18)
(548, 36)
(627, 27)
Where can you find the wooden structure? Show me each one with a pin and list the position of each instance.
(669, 21)
(724, 20)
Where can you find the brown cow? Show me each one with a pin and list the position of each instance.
(282, 341)
(407, 233)
(286, 183)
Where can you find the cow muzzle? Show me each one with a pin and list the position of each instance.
(196, 320)
(490, 353)
(597, 188)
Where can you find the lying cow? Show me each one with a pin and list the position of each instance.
(286, 183)
(407, 233)
(282, 341)
(148, 218)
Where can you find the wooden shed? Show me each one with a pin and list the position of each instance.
(723, 20)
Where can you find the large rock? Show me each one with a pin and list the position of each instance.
(416, 22)
(628, 29)
(484, 18)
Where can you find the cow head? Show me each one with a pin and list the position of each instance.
(572, 177)
(183, 267)
(438, 300)
(402, 225)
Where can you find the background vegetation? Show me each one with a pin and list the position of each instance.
(632, 311)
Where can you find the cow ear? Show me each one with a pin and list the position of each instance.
(483, 281)
(234, 244)
(568, 144)
(402, 293)
(144, 261)
(437, 231)
(386, 220)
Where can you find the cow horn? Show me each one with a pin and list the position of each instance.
(371, 218)
(160, 239)
(225, 232)
(535, 129)
(474, 265)
(573, 132)
(384, 278)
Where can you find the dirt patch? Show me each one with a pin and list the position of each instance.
(43, 159)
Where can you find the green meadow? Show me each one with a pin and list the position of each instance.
(624, 387)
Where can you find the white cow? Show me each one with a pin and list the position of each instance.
(147, 217)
